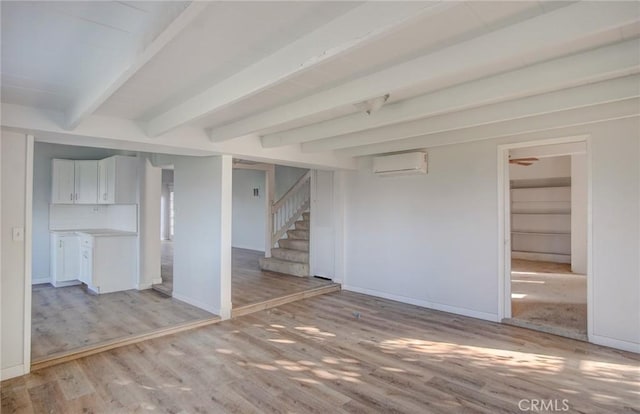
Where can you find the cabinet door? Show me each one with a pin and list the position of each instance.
(57, 259)
(126, 180)
(106, 180)
(62, 181)
(102, 182)
(70, 258)
(86, 265)
(86, 182)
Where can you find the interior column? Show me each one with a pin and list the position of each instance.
(202, 232)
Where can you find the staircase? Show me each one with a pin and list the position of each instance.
(292, 254)
(290, 226)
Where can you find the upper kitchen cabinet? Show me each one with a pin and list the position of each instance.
(74, 182)
(63, 182)
(86, 182)
(118, 180)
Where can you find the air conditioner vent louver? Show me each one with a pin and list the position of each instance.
(400, 164)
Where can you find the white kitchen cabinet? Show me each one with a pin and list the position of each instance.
(63, 181)
(74, 182)
(109, 263)
(86, 259)
(86, 182)
(65, 259)
(118, 180)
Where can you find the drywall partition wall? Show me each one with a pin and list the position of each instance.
(615, 195)
(431, 240)
(43, 154)
(579, 205)
(13, 176)
(202, 232)
(322, 224)
(248, 225)
(286, 177)
(150, 180)
(427, 239)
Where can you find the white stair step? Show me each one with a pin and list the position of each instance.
(291, 255)
(298, 234)
(283, 266)
(294, 244)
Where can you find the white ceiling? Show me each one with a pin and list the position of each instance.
(132, 61)
(52, 51)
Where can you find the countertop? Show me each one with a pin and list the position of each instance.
(99, 232)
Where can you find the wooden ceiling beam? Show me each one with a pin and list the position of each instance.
(540, 38)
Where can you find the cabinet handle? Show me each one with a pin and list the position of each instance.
(71, 196)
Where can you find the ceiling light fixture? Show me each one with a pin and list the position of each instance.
(372, 105)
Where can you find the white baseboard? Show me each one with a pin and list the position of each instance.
(156, 281)
(196, 303)
(40, 280)
(67, 283)
(12, 372)
(143, 286)
(425, 304)
(254, 248)
(615, 343)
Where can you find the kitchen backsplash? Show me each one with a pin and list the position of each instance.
(74, 217)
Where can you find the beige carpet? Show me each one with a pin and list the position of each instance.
(548, 295)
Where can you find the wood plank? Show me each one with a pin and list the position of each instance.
(316, 355)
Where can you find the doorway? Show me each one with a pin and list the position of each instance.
(166, 233)
(545, 209)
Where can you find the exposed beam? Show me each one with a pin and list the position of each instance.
(98, 95)
(109, 132)
(362, 25)
(577, 97)
(540, 38)
(570, 118)
(599, 64)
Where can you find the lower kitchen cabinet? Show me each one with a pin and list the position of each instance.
(108, 263)
(65, 259)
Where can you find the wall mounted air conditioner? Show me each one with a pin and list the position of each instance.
(400, 164)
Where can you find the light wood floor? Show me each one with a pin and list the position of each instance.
(64, 319)
(249, 284)
(68, 318)
(341, 352)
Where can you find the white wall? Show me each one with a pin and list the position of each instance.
(323, 217)
(579, 213)
(248, 211)
(43, 154)
(150, 181)
(13, 173)
(432, 240)
(202, 239)
(286, 177)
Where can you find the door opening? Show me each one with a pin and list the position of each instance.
(545, 207)
(166, 234)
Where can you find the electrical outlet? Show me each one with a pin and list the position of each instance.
(18, 234)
